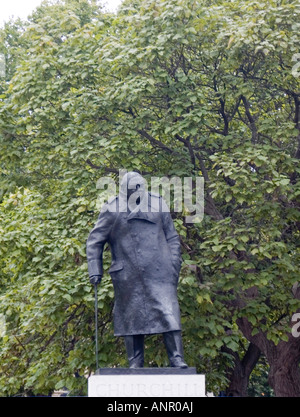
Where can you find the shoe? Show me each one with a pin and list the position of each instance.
(178, 363)
(173, 343)
(136, 365)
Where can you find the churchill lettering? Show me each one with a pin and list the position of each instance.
(146, 385)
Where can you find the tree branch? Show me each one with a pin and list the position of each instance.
(251, 120)
(106, 169)
(224, 116)
(188, 145)
(210, 207)
(297, 123)
(156, 143)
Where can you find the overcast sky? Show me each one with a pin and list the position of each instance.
(22, 8)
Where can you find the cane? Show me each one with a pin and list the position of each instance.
(96, 324)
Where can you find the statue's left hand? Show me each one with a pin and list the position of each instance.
(95, 279)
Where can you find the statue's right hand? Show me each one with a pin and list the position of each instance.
(95, 279)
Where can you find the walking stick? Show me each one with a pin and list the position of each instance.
(96, 325)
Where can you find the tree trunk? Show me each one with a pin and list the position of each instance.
(239, 377)
(284, 375)
(284, 358)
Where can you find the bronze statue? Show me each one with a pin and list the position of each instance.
(146, 262)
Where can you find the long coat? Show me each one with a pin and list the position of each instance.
(145, 267)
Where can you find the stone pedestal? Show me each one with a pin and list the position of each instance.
(146, 382)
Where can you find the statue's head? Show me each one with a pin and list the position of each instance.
(133, 192)
(132, 182)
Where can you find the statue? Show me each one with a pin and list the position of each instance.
(145, 268)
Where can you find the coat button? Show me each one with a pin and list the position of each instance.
(139, 251)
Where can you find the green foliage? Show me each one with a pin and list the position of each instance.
(258, 384)
(168, 87)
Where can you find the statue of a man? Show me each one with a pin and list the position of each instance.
(146, 262)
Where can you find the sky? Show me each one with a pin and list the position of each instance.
(22, 8)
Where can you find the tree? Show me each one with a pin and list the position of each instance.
(170, 87)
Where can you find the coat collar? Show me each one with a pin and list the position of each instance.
(141, 215)
(146, 210)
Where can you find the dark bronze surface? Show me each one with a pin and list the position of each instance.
(146, 261)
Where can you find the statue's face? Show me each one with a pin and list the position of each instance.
(134, 189)
(133, 185)
(133, 182)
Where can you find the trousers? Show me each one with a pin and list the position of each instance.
(173, 343)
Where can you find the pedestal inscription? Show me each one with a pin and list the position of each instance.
(146, 384)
